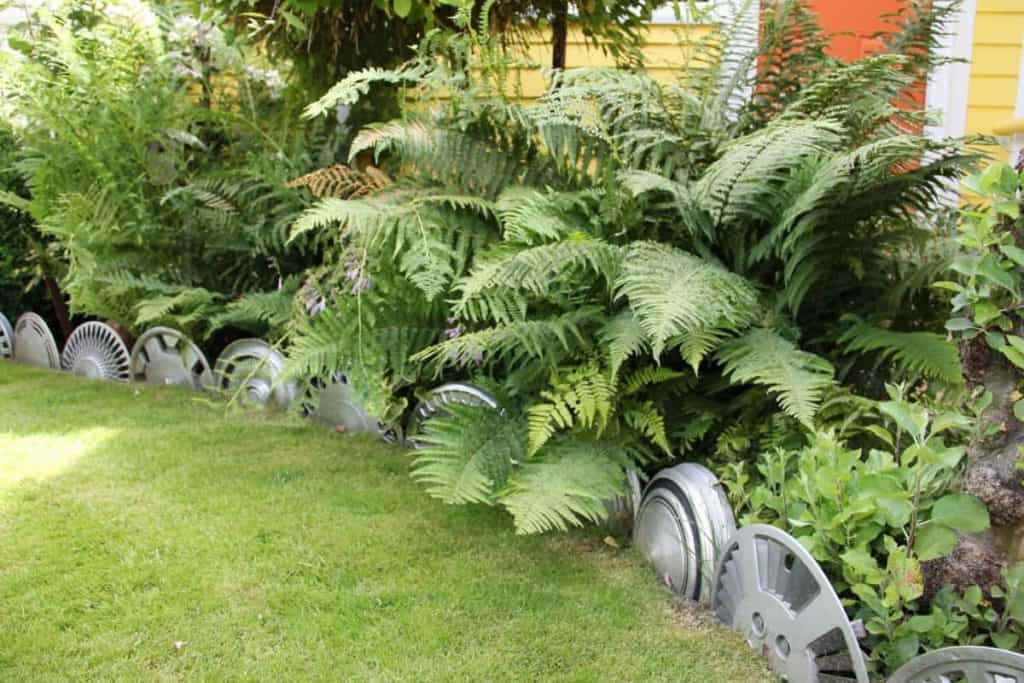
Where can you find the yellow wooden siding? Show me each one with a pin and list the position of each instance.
(667, 49)
(995, 64)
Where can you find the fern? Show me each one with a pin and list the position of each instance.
(737, 187)
(623, 338)
(547, 341)
(677, 296)
(924, 354)
(492, 289)
(468, 454)
(358, 83)
(269, 310)
(581, 396)
(799, 379)
(565, 485)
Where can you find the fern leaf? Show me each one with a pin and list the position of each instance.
(622, 338)
(924, 354)
(646, 419)
(546, 340)
(565, 486)
(491, 289)
(468, 454)
(798, 378)
(676, 295)
(737, 188)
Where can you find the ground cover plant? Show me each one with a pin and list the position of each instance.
(146, 535)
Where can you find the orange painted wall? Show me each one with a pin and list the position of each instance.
(858, 19)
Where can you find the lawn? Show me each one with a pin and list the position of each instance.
(147, 534)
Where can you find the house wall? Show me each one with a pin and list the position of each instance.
(996, 69)
(667, 48)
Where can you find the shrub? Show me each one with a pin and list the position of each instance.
(631, 265)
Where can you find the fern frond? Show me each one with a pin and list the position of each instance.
(269, 309)
(673, 294)
(737, 188)
(342, 181)
(646, 419)
(924, 354)
(545, 340)
(529, 216)
(566, 485)
(491, 290)
(357, 84)
(798, 378)
(622, 337)
(468, 454)
(582, 396)
(647, 376)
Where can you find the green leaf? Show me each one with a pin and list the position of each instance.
(921, 623)
(905, 649)
(403, 7)
(948, 285)
(934, 541)
(959, 324)
(1014, 355)
(888, 496)
(985, 311)
(961, 512)
(912, 419)
(1004, 639)
(1018, 410)
(293, 21)
(990, 269)
(1016, 254)
(944, 421)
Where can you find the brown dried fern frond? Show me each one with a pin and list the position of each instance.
(342, 181)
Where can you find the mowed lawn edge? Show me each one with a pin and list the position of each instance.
(151, 534)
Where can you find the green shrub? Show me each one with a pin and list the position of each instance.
(156, 156)
(640, 270)
(21, 245)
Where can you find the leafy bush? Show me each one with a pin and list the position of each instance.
(22, 248)
(640, 270)
(873, 516)
(156, 157)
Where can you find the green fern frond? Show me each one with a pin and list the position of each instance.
(268, 309)
(545, 340)
(924, 354)
(647, 376)
(582, 396)
(184, 308)
(737, 188)
(357, 84)
(622, 337)
(646, 419)
(566, 485)
(492, 289)
(529, 216)
(674, 294)
(799, 379)
(468, 454)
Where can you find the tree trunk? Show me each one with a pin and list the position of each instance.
(560, 34)
(60, 307)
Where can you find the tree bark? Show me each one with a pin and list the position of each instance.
(560, 34)
(60, 307)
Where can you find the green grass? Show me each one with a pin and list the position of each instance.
(148, 535)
